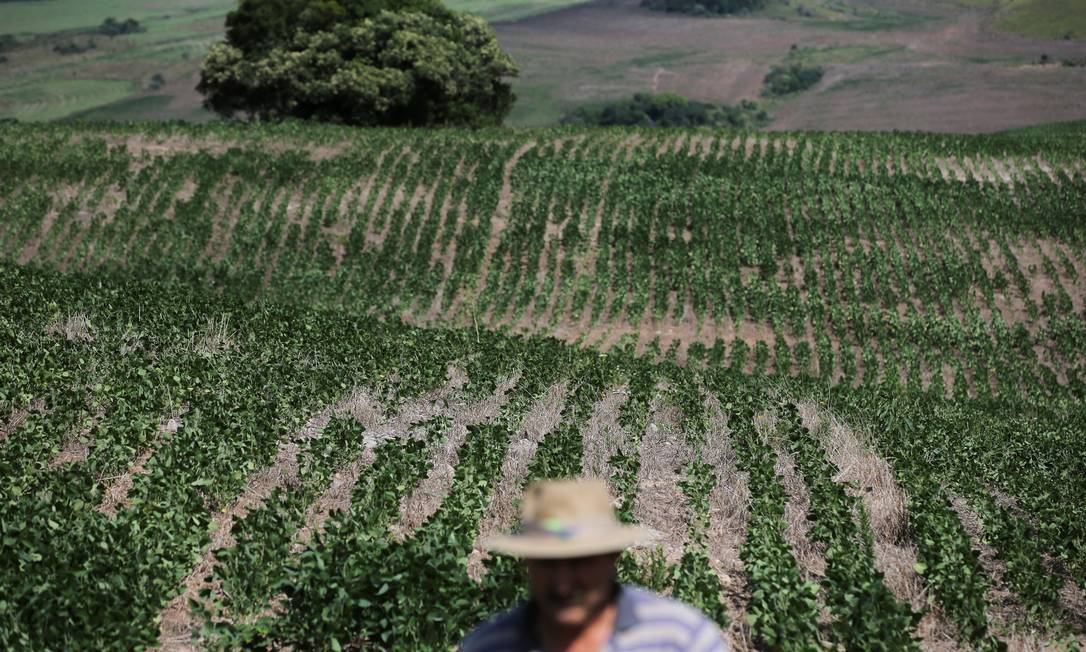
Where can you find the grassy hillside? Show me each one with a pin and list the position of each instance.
(112, 81)
(271, 387)
(1064, 19)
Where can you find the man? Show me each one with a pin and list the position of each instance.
(569, 540)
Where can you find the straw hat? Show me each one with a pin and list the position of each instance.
(568, 518)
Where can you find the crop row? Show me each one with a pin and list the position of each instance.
(772, 258)
(326, 477)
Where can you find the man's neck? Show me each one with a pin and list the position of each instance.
(592, 636)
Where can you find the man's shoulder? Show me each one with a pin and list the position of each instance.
(669, 623)
(500, 633)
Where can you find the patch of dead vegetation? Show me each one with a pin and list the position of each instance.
(603, 436)
(18, 416)
(661, 504)
(868, 477)
(77, 445)
(215, 339)
(1005, 610)
(729, 511)
(337, 496)
(76, 327)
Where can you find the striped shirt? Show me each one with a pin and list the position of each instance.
(645, 622)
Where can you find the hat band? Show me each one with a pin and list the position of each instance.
(566, 530)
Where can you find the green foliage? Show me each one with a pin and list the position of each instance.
(867, 616)
(259, 26)
(112, 27)
(409, 69)
(704, 7)
(668, 110)
(790, 78)
(833, 259)
(71, 47)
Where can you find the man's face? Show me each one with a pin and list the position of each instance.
(570, 591)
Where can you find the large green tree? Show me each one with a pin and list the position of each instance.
(257, 26)
(355, 62)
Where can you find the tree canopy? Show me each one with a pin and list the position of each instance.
(358, 62)
(410, 68)
(257, 26)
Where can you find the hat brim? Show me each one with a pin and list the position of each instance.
(535, 546)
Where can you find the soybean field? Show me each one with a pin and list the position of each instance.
(269, 387)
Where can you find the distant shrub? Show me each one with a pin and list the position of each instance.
(790, 78)
(157, 81)
(1074, 63)
(3, 59)
(72, 47)
(704, 7)
(112, 27)
(668, 110)
(8, 42)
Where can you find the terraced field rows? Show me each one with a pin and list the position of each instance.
(277, 475)
(855, 259)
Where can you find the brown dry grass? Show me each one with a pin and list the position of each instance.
(216, 337)
(661, 504)
(18, 416)
(74, 328)
(603, 435)
(1005, 611)
(729, 504)
(542, 418)
(77, 444)
(884, 502)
